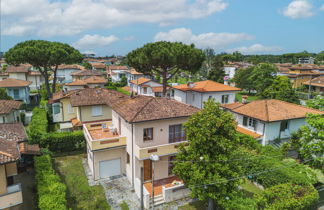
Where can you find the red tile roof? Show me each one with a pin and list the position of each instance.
(10, 82)
(6, 106)
(22, 68)
(317, 81)
(140, 81)
(206, 86)
(95, 80)
(248, 132)
(76, 82)
(87, 73)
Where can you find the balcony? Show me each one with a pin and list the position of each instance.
(12, 197)
(103, 135)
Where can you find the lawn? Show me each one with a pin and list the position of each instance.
(79, 194)
(238, 97)
(196, 205)
(250, 188)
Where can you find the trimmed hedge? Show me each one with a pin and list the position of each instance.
(50, 190)
(63, 142)
(38, 125)
(288, 196)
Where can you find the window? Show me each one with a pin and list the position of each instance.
(4, 119)
(16, 93)
(127, 158)
(245, 119)
(252, 123)
(284, 125)
(210, 97)
(56, 109)
(225, 99)
(145, 90)
(176, 133)
(193, 97)
(96, 111)
(70, 109)
(249, 122)
(171, 165)
(147, 134)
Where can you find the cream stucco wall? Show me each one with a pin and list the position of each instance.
(9, 118)
(66, 115)
(86, 113)
(21, 76)
(11, 169)
(3, 180)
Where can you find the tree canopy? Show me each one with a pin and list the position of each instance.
(203, 165)
(242, 78)
(166, 59)
(45, 56)
(4, 95)
(263, 76)
(316, 103)
(216, 71)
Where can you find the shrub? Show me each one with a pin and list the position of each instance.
(287, 196)
(63, 142)
(38, 125)
(50, 190)
(248, 142)
(240, 203)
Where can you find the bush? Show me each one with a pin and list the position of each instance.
(248, 142)
(240, 203)
(287, 196)
(63, 142)
(50, 190)
(38, 125)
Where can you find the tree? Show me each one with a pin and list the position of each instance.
(216, 72)
(242, 78)
(4, 95)
(281, 89)
(204, 165)
(166, 59)
(87, 65)
(316, 103)
(263, 76)
(45, 56)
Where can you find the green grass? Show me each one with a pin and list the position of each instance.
(250, 188)
(238, 97)
(79, 194)
(119, 89)
(196, 205)
(124, 206)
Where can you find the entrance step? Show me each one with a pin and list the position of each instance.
(158, 200)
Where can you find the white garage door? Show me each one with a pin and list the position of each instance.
(109, 168)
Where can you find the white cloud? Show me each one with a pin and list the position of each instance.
(50, 18)
(256, 49)
(299, 9)
(322, 7)
(212, 40)
(90, 42)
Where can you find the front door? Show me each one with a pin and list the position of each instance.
(147, 170)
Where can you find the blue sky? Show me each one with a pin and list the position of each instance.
(118, 26)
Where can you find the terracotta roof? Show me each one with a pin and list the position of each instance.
(3, 73)
(206, 86)
(10, 82)
(96, 96)
(87, 73)
(232, 106)
(317, 81)
(144, 108)
(248, 132)
(6, 106)
(140, 81)
(273, 110)
(114, 67)
(95, 80)
(61, 94)
(34, 73)
(22, 68)
(10, 135)
(76, 82)
(76, 123)
(127, 88)
(158, 89)
(29, 149)
(133, 71)
(98, 65)
(70, 66)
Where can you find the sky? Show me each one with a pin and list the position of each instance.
(107, 27)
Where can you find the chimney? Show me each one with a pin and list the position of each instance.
(190, 84)
(244, 99)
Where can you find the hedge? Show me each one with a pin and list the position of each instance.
(50, 190)
(288, 196)
(38, 126)
(63, 142)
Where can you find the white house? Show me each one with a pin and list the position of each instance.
(147, 87)
(267, 120)
(134, 75)
(197, 93)
(9, 111)
(64, 72)
(117, 72)
(90, 82)
(25, 72)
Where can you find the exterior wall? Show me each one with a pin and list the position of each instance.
(11, 169)
(3, 180)
(66, 115)
(180, 96)
(259, 127)
(175, 193)
(37, 81)
(218, 96)
(96, 85)
(300, 80)
(65, 74)
(108, 154)
(117, 75)
(74, 87)
(23, 93)
(230, 71)
(86, 113)
(9, 118)
(21, 76)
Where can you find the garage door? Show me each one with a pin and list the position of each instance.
(109, 168)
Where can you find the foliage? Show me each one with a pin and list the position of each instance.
(281, 89)
(309, 141)
(316, 103)
(123, 81)
(240, 203)
(4, 95)
(287, 196)
(242, 78)
(23, 117)
(50, 190)
(38, 126)
(87, 65)
(45, 56)
(216, 72)
(123, 91)
(262, 76)
(166, 59)
(212, 142)
(248, 142)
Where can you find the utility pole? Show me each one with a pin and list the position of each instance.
(142, 202)
(153, 159)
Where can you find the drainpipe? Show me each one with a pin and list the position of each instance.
(132, 155)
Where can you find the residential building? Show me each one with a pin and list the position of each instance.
(3, 75)
(147, 87)
(317, 84)
(26, 72)
(135, 75)
(267, 120)
(17, 89)
(13, 148)
(99, 66)
(309, 60)
(64, 72)
(197, 93)
(141, 126)
(117, 72)
(73, 108)
(9, 111)
(90, 82)
(83, 74)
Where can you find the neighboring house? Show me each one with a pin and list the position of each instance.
(99, 66)
(267, 120)
(83, 74)
(9, 111)
(73, 108)
(317, 84)
(134, 75)
(309, 60)
(147, 87)
(25, 72)
(197, 93)
(17, 89)
(141, 126)
(90, 82)
(3, 75)
(64, 72)
(13, 148)
(117, 72)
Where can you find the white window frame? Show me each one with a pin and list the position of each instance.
(96, 111)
